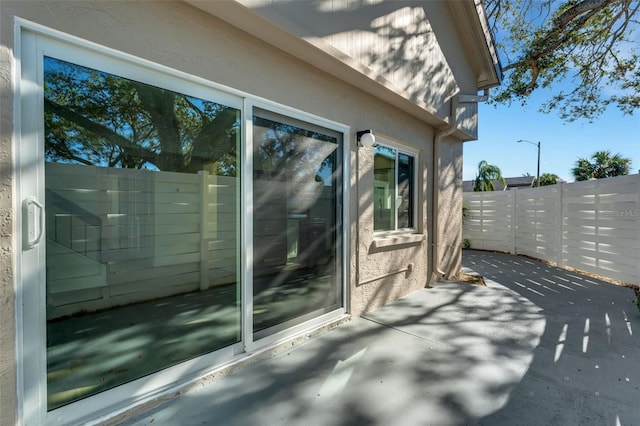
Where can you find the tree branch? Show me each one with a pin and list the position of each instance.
(100, 130)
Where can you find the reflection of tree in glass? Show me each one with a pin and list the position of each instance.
(293, 153)
(99, 119)
(384, 151)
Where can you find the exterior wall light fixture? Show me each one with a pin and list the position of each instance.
(366, 138)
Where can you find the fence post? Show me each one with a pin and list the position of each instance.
(559, 224)
(598, 184)
(204, 249)
(481, 209)
(514, 212)
(637, 216)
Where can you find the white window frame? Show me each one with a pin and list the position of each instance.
(414, 153)
(32, 43)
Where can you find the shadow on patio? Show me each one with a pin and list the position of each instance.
(538, 345)
(584, 370)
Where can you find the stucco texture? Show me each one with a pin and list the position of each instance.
(450, 208)
(414, 46)
(370, 261)
(7, 296)
(186, 39)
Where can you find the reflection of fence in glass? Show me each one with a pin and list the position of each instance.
(151, 241)
(116, 232)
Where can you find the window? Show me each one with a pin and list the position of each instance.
(142, 233)
(394, 188)
(296, 188)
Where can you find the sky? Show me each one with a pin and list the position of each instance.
(561, 143)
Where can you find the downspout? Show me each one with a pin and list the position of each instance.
(435, 185)
(438, 137)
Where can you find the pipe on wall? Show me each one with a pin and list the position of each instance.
(437, 139)
(435, 185)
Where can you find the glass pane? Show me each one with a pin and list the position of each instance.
(406, 179)
(142, 229)
(296, 187)
(384, 188)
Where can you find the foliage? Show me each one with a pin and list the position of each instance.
(590, 46)
(547, 179)
(292, 154)
(99, 119)
(487, 173)
(465, 216)
(603, 164)
(95, 118)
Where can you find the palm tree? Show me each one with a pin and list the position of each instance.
(547, 179)
(487, 173)
(583, 170)
(602, 164)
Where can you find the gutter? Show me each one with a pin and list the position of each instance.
(473, 98)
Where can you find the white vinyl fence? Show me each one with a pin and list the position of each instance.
(592, 226)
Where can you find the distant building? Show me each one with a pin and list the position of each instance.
(512, 182)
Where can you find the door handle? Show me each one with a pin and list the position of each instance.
(33, 222)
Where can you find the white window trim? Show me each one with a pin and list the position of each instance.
(32, 42)
(392, 237)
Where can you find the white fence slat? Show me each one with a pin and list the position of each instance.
(590, 225)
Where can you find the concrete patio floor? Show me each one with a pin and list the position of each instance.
(537, 346)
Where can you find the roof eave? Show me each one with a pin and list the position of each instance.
(472, 21)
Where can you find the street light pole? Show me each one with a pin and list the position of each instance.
(538, 145)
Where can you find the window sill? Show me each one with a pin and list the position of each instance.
(397, 240)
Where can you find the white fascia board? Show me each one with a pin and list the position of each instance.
(474, 29)
(320, 55)
(489, 38)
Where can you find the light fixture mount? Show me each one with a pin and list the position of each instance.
(366, 138)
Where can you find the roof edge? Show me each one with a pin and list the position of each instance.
(472, 20)
(489, 38)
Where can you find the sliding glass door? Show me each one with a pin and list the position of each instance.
(143, 193)
(296, 187)
(141, 201)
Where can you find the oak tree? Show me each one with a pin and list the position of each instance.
(585, 50)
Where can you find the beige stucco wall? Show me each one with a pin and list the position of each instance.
(184, 38)
(415, 46)
(368, 259)
(450, 207)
